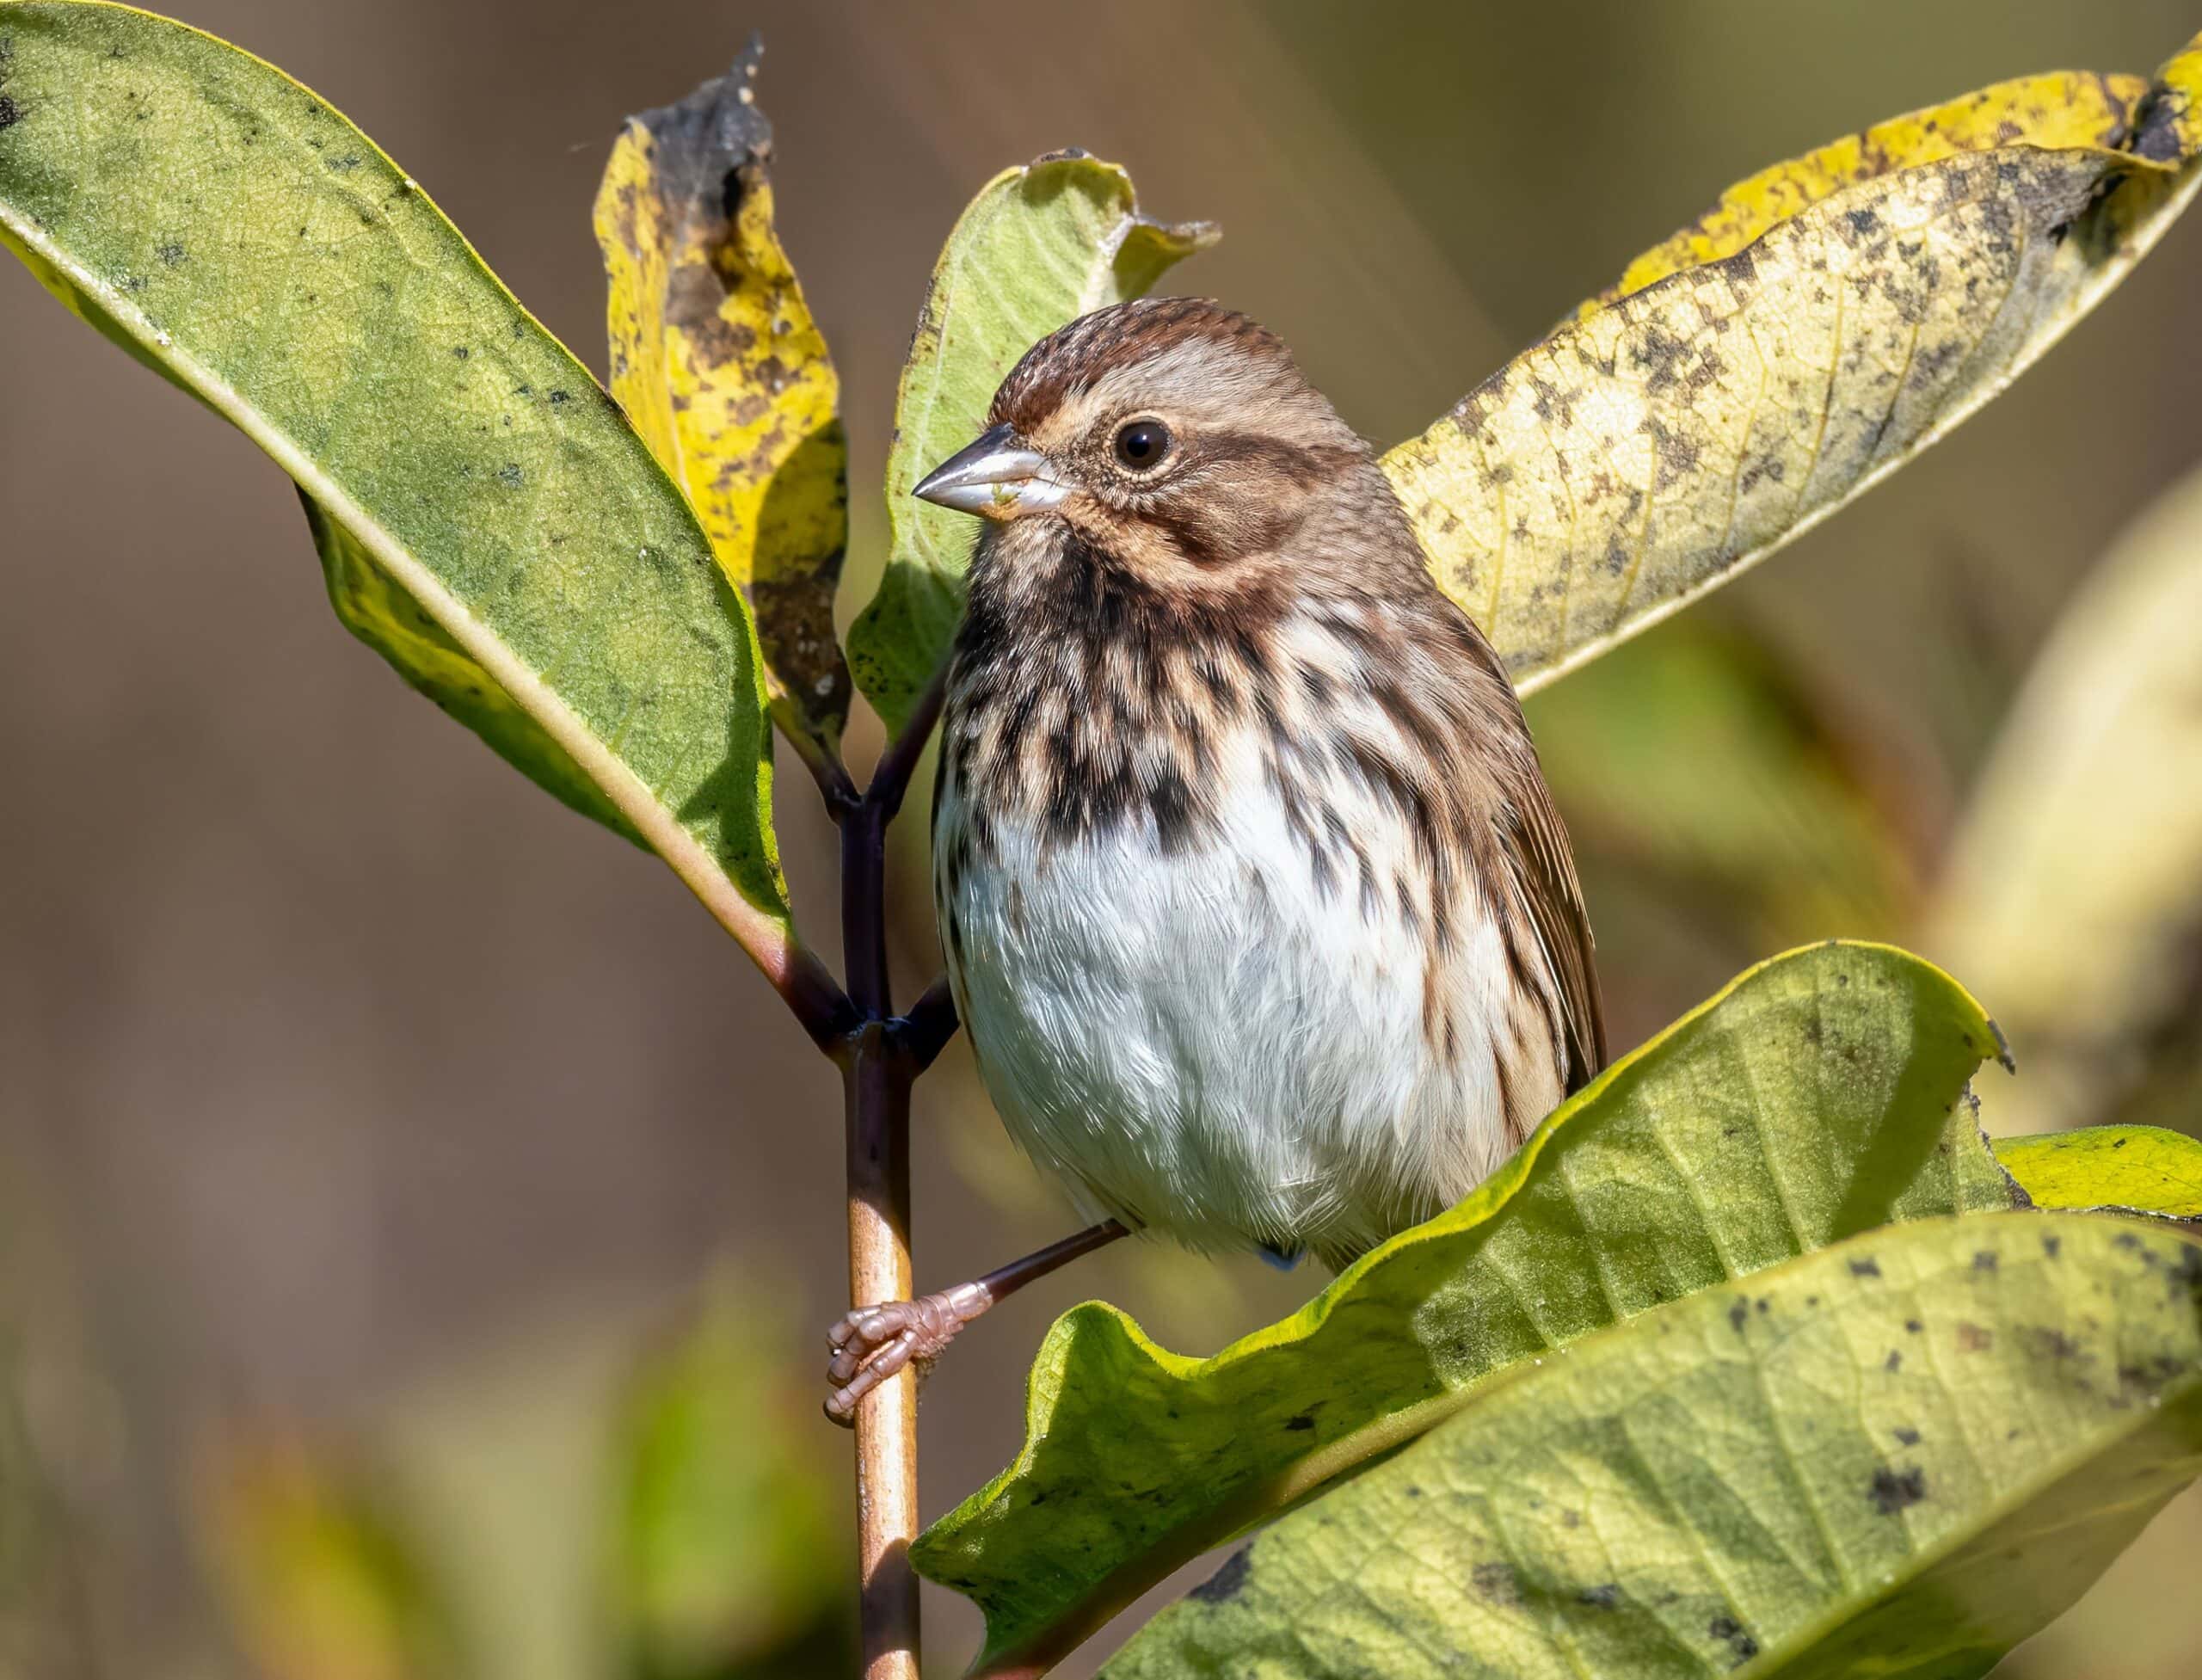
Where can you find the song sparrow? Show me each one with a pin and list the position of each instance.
(1254, 900)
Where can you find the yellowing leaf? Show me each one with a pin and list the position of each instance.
(1827, 322)
(1817, 1096)
(2065, 108)
(1896, 1457)
(718, 361)
(229, 229)
(2075, 880)
(1039, 247)
(2128, 1169)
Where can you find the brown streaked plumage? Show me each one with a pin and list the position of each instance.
(1255, 903)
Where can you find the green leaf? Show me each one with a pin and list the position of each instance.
(369, 603)
(230, 229)
(725, 1520)
(1040, 246)
(1816, 1098)
(2122, 1169)
(2073, 889)
(1898, 1456)
(1825, 322)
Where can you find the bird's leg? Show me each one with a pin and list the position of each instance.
(872, 1343)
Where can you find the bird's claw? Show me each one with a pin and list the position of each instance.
(872, 1343)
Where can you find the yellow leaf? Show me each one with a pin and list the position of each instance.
(2065, 108)
(1825, 323)
(718, 361)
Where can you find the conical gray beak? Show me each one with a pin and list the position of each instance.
(997, 478)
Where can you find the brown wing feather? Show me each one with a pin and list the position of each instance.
(1543, 866)
(1542, 862)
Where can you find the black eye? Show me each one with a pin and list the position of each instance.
(1141, 445)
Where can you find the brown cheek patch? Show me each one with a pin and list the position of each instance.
(1214, 524)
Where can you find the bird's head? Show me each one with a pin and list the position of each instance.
(1169, 433)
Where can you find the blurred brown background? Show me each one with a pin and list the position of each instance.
(348, 1086)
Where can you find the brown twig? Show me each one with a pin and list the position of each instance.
(927, 1026)
(878, 1088)
(879, 1056)
(822, 761)
(890, 778)
(808, 988)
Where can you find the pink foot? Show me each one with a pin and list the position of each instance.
(873, 1342)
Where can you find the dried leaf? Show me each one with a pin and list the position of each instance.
(1836, 316)
(719, 364)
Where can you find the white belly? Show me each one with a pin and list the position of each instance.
(1209, 1046)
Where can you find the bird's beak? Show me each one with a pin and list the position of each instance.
(997, 477)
